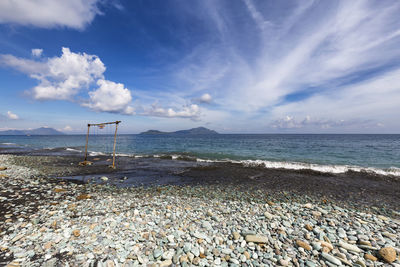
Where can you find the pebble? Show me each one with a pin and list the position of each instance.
(234, 261)
(360, 262)
(326, 245)
(303, 244)
(168, 225)
(236, 235)
(308, 206)
(388, 254)
(167, 255)
(207, 225)
(256, 239)
(308, 227)
(268, 215)
(370, 257)
(226, 251)
(76, 232)
(310, 264)
(283, 262)
(166, 263)
(349, 247)
(331, 258)
(157, 253)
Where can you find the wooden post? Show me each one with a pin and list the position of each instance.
(115, 140)
(87, 140)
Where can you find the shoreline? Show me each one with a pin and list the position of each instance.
(200, 215)
(355, 189)
(290, 165)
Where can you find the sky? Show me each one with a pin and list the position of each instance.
(234, 66)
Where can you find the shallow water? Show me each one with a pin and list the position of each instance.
(323, 152)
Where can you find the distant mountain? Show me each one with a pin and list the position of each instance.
(38, 131)
(194, 131)
(153, 132)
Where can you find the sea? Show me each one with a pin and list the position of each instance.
(328, 153)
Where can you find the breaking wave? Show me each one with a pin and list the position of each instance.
(96, 153)
(393, 171)
(335, 169)
(72, 149)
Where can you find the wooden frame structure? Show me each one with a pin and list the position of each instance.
(101, 125)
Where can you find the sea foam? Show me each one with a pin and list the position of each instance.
(393, 171)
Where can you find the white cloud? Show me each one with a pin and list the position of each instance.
(377, 99)
(67, 128)
(256, 15)
(49, 13)
(203, 68)
(64, 77)
(308, 123)
(27, 66)
(296, 60)
(110, 97)
(189, 111)
(36, 52)
(60, 78)
(203, 99)
(206, 98)
(12, 116)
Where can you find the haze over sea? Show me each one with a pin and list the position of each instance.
(332, 153)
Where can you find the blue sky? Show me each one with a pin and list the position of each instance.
(241, 66)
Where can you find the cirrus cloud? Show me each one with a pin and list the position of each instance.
(317, 58)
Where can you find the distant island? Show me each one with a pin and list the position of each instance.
(38, 131)
(194, 131)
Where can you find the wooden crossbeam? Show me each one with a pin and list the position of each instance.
(104, 123)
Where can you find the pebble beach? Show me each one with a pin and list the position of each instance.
(53, 222)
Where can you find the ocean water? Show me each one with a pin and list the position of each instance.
(334, 153)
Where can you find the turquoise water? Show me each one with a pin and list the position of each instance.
(325, 152)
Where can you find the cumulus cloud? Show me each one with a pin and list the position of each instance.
(60, 78)
(64, 77)
(110, 97)
(12, 116)
(36, 52)
(49, 13)
(188, 111)
(204, 99)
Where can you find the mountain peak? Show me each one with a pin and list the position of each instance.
(193, 131)
(38, 131)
